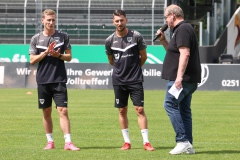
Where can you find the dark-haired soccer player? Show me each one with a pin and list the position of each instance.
(126, 51)
(47, 48)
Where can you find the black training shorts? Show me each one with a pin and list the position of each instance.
(122, 93)
(53, 91)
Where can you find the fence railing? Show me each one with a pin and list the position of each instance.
(86, 21)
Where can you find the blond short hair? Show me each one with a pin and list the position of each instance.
(48, 12)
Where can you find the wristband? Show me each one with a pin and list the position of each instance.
(59, 56)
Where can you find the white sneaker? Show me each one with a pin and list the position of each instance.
(183, 147)
(190, 151)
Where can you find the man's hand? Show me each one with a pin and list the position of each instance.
(54, 53)
(51, 47)
(178, 83)
(51, 50)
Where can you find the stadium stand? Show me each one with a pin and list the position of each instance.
(77, 19)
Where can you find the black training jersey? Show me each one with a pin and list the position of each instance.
(50, 69)
(125, 50)
(183, 36)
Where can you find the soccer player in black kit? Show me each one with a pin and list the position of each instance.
(126, 51)
(47, 48)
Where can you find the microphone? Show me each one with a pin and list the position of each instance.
(163, 28)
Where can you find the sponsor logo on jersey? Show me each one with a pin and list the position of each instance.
(127, 55)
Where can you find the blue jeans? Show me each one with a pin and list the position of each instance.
(179, 111)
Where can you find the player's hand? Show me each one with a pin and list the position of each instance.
(55, 53)
(51, 46)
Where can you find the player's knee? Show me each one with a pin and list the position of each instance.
(123, 111)
(63, 111)
(139, 110)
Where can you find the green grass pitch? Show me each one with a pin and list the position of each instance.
(95, 128)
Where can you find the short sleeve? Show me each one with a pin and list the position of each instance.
(183, 38)
(140, 40)
(67, 44)
(108, 49)
(33, 43)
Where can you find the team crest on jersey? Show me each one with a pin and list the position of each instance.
(41, 101)
(117, 101)
(129, 39)
(56, 39)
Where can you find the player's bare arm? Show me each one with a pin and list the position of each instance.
(143, 57)
(65, 57)
(37, 58)
(110, 59)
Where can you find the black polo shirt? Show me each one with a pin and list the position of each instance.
(125, 50)
(183, 36)
(50, 69)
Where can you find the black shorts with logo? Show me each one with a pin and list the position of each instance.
(52, 91)
(122, 93)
